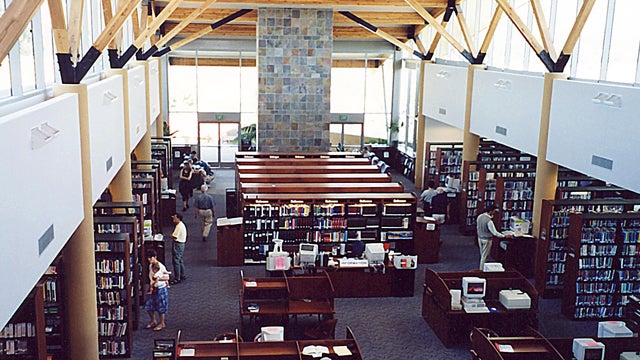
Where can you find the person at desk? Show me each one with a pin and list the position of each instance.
(427, 195)
(440, 204)
(486, 230)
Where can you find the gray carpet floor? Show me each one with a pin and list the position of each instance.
(206, 303)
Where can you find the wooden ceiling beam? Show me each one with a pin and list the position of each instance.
(155, 24)
(436, 39)
(123, 12)
(76, 9)
(543, 55)
(185, 21)
(251, 62)
(543, 27)
(13, 22)
(135, 23)
(243, 30)
(493, 25)
(468, 36)
(431, 20)
(574, 34)
(58, 25)
(107, 15)
(381, 33)
(333, 3)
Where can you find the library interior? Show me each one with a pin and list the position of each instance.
(300, 179)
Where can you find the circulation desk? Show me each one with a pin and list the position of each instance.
(276, 350)
(453, 326)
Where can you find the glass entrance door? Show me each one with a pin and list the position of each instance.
(218, 142)
(350, 137)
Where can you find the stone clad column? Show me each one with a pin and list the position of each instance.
(294, 79)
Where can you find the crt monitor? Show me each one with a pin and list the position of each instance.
(271, 333)
(308, 253)
(473, 287)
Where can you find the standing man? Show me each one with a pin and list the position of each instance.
(179, 240)
(205, 210)
(486, 231)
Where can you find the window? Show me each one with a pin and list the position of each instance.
(27, 60)
(623, 54)
(591, 42)
(218, 88)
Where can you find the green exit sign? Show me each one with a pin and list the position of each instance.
(343, 117)
(218, 117)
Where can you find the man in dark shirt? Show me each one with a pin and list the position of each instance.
(205, 210)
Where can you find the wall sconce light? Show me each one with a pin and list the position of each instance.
(42, 134)
(603, 98)
(443, 74)
(503, 84)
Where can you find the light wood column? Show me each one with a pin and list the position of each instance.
(421, 129)
(470, 142)
(120, 187)
(546, 172)
(160, 120)
(143, 150)
(80, 273)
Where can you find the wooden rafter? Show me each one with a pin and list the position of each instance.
(381, 33)
(443, 32)
(59, 26)
(76, 10)
(419, 44)
(186, 21)
(135, 23)
(123, 12)
(493, 25)
(13, 22)
(155, 24)
(574, 34)
(107, 14)
(543, 27)
(468, 37)
(543, 55)
(438, 36)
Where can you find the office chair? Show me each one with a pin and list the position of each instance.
(325, 329)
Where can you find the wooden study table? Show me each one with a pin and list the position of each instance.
(277, 350)
(307, 169)
(281, 297)
(320, 177)
(304, 161)
(454, 326)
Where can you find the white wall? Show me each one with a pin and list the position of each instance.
(445, 89)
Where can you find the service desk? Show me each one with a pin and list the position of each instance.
(454, 326)
(516, 253)
(275, 350)
(426, 241)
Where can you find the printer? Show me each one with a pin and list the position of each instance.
(278, 259)
(514, 299)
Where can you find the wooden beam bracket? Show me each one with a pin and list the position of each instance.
(70, 74)
(144, 55)
(119, 61)
(164, 50)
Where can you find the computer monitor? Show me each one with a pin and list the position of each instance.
(271, 333)
(473, 287)
(308, 253)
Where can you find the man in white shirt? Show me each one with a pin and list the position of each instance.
(179, 236)
(486, 230)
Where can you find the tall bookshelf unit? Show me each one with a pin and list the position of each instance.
(325, 219)
(146, 188)
(442, 160)
(54, 324)
(127, 225)
(603, 261)
(23, 337)
(551, 254)
(632, 318)
(117, 300)
(161, 151)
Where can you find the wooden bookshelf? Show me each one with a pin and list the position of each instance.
(632, 317)
(161, 151)
(324, 218)
(442, 160)
(148, 170)
(602, 265)
(54, 319)
(23, 337)
(551, 254)
(123, 225)
(116, 295)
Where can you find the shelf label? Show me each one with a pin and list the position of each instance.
(399, 201)
(297, 202)
(365, 201)
(331, 201)
(299, 157)
(261, 201)
(274, 157)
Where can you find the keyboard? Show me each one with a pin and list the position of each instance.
(483, 309)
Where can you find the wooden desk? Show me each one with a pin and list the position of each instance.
(318, 187)
(305, 161)
(426, 241)
(519, 253)
(453, 326)
(277, 350)
(321, 177)
(307, 169)
(279, 298)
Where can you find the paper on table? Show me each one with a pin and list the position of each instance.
(188, 352)
(505, 348)
(341, 350)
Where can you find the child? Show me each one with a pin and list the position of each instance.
(157, 275)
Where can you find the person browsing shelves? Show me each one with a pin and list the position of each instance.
(158, 297)
(179, 236)
(486, 230)
(204, 205)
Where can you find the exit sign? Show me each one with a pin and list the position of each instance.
(218, 117)
(343, 117)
